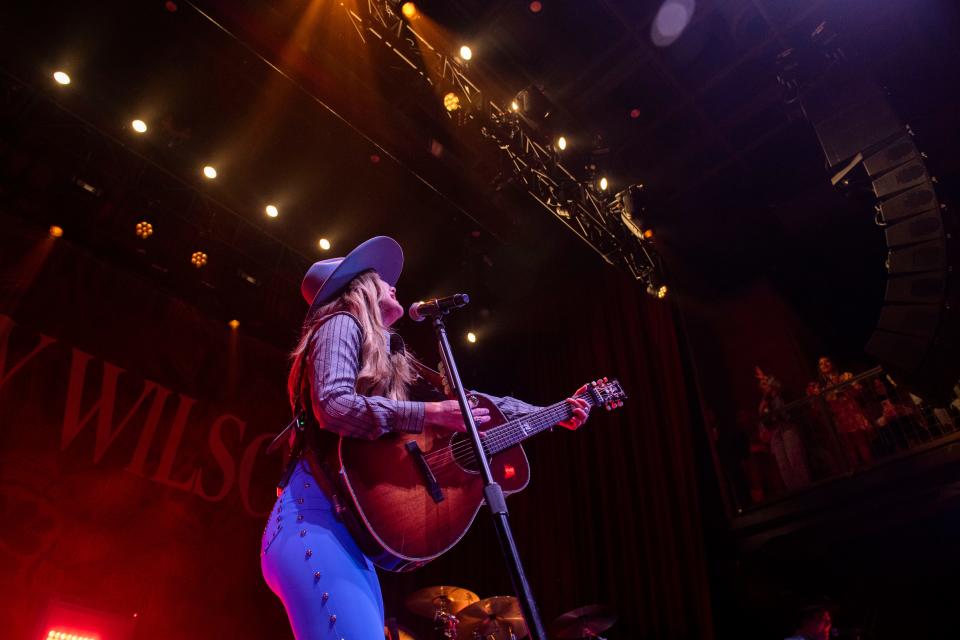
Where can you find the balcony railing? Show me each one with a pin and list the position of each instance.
(840, 430)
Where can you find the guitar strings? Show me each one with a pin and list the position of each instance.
(505, 432)
(500, 434)
(462, 452)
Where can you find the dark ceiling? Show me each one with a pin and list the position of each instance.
(348, 144)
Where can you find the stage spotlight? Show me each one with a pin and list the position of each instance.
(61, 77)
(209, 172)
(471, 337)
(514, 106)
(671, 21)
(56, 231)
(139, 126)
(533, 104)
(648, 234)
(144, 230)
(272, 211)
(198, 259)
(324, 244)
(54, 634)
(535, 7)
(634, 113)
(409, 10)
(561, 143)
(660, 292)
(465, 53)
(451, 101)
(604, 184)
(234, 324)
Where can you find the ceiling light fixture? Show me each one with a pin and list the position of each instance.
(451, 101)
(144, 230)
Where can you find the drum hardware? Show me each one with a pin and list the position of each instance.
(441, 604)
(585, 622)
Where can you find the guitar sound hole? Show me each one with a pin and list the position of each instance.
(462, 452)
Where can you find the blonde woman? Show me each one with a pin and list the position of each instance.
(352, 374)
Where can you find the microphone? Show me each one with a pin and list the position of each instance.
(422, 310)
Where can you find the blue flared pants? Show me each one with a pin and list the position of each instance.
(308, 558)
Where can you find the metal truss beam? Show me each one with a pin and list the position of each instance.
(601, 220)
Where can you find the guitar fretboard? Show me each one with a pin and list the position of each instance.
(519, 429)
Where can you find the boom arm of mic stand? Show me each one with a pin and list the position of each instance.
(491, 490)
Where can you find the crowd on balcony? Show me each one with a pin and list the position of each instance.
(843, 424)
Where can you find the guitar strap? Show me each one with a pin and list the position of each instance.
(308, 440)
(319, 448)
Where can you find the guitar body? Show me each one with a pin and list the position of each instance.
(401, 524)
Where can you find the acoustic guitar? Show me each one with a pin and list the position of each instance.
(414, 496)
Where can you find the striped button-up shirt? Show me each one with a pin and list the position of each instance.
(333, 388)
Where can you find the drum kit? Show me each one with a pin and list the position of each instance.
(460, 614)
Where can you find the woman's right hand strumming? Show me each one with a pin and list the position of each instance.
(447, 414)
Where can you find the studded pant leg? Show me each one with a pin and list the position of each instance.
(327, 585)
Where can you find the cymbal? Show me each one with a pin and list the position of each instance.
(402, 634)
(584, 622)
(427, 602)
(492, 619)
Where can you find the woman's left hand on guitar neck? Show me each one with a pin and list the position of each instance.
(581, 411)
(581, 408)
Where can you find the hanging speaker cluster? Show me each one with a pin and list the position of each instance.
(915, 303)
(858, 130)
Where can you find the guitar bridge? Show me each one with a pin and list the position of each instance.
(433, 487)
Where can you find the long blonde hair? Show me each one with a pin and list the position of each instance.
(381, 373)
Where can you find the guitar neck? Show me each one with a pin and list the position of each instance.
(519, 429)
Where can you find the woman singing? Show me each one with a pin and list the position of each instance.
(352, 374)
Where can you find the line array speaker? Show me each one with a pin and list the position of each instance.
(917, 333)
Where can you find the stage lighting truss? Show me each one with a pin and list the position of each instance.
(385, 22)
(596, 216)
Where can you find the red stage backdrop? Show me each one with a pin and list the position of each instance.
(132, 433)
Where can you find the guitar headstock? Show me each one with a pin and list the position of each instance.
(606, 393)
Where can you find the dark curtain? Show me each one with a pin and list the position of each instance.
(611, 514)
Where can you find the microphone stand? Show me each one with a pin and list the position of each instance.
(492, 491)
